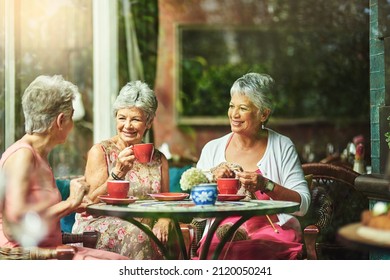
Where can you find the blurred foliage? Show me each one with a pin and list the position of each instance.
(209, 85)
(317, 52)
(145, 14)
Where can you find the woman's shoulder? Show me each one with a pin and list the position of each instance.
(19, 147)
(19, 144)
(219, 141)
(20, 150)
(106, 147)
(108, 144)
(278, 137)
(158, 154)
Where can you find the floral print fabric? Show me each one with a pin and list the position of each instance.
(118, 235)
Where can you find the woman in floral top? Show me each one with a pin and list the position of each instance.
(134, 110)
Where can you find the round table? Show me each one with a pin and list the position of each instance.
(349, 236)
(177, 210)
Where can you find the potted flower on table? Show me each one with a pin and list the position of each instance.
(203, 192)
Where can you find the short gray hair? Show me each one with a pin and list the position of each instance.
(257, 87)
(137, 94)
(44, 99)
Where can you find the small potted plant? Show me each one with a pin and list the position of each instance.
(192, 177)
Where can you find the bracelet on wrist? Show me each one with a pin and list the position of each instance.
(115, 177)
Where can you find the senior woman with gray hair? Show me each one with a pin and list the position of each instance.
(267, 166)
(112, 159)
(30, 185)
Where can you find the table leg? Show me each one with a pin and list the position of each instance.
(225, 239)
(181, 239)
(209, 237)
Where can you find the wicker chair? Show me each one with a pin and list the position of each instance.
(335, 202)
(63, 252)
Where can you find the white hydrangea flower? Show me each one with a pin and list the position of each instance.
(192, 177)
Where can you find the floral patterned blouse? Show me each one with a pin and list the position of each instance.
(144, 178)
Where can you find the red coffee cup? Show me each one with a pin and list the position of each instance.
(143, 152)
(118, 188)
(228, 185)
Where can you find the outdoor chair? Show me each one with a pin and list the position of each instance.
(63, 252)
(334, 203)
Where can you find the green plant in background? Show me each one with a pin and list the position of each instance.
(145, 15)
(318, 58)
(387, 134)
(206, 88)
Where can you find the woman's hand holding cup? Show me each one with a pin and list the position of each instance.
(124, 161)
(251, 181)
(223, 171)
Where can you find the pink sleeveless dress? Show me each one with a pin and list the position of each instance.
(42, 187)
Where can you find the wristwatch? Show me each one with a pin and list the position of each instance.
(269, 186)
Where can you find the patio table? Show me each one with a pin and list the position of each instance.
(177, 210)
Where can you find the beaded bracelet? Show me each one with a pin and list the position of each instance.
(115, 177)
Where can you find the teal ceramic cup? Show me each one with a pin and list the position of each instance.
(204, 194)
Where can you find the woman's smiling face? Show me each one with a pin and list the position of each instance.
(131, 125)
(244, 116)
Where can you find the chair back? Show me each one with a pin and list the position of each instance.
(335, 203)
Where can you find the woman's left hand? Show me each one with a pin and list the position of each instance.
(251, 181)
(83, 206)
(161, 229)
(78, 188)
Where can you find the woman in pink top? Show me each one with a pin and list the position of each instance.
(30, 184)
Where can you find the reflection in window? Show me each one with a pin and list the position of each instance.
(318, 55)
(2, 78)
(57, 40)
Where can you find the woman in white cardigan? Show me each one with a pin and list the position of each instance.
(268, 167)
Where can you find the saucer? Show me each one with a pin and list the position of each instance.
(112, 200)
(167, 196)
(230, 197)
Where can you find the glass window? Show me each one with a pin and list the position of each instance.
(2, 77)
(317, 52)
(57, 39)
